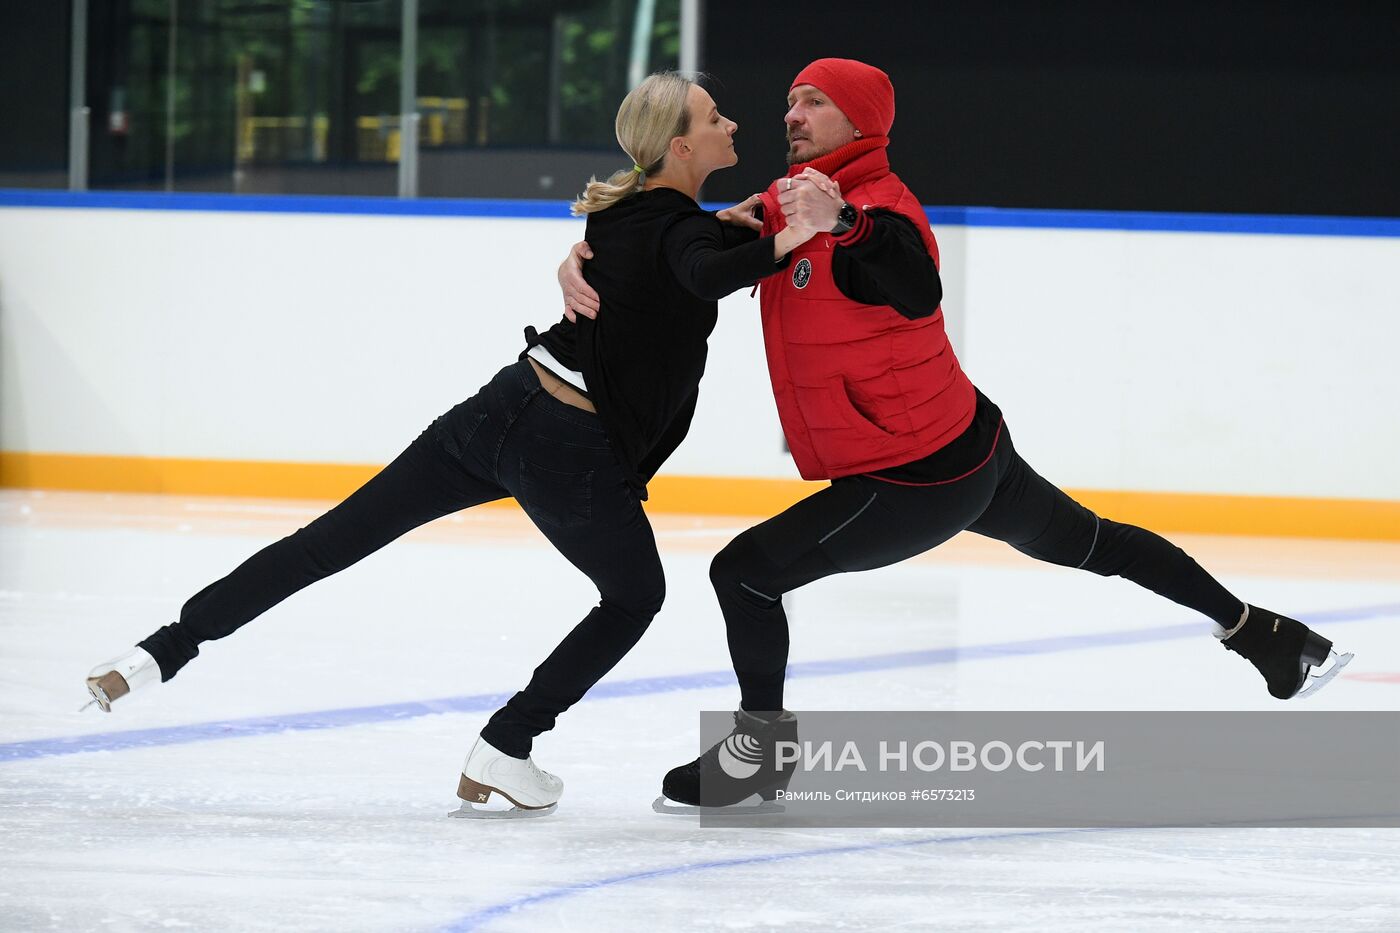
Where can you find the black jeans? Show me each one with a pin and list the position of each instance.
(510, 439)
(860, 523)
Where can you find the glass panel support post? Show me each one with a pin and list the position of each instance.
(690, 37)
(171, 98)
(78, 113)
(408, 103)
(638, 61)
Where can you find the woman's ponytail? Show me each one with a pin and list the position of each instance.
(649, 118)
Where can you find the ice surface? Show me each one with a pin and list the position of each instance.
(386, 672)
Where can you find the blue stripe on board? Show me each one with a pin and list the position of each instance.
(1272, 224)
(282, 203)
(644, 686)
(1281, 224)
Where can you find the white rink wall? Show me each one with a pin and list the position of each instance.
(1124, 360)
(1192, 362)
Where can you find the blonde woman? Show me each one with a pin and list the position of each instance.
(573, 430)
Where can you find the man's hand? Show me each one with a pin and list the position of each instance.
(741, 214)
(810, 202)
(579, 296)
(829, 185)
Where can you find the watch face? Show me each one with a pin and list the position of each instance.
(845, 219)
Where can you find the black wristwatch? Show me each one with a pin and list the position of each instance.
(845, 219)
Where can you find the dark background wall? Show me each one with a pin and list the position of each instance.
(33, 93)
(1250, 106)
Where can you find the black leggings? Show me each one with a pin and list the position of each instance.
(510, 439)
(860, 523)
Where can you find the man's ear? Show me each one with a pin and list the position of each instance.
(680, 148)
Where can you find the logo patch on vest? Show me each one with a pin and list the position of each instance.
(802, 274)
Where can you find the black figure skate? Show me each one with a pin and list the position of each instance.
(741, 767)
(1285, 651)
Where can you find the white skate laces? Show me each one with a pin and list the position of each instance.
(114, 679)
(488, 771)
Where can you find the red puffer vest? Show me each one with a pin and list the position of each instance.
(859, 387)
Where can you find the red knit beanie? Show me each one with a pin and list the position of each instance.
(863, 92)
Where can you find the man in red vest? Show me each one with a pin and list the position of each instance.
(871, 397)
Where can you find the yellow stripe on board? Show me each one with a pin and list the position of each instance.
(94, 473)
(1272, 516)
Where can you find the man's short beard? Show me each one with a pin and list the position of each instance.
(792, 158)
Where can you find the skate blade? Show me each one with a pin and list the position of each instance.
(98, 698)
(1316, 682)
(671, 808)
(469, 812)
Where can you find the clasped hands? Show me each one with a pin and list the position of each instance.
(810, 202)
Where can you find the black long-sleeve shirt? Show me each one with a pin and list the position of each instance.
(660, 264)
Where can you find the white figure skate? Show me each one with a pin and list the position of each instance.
(114, 679)
(488, 770)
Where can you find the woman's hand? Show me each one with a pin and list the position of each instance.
(741, 214)
(579, 296)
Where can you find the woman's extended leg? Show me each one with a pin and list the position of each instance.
(421, 484)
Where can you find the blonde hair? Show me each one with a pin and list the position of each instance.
(649, 118)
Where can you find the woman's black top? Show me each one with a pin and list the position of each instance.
(660, 265)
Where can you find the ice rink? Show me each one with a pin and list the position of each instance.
(298, 775)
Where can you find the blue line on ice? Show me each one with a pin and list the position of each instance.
(642, 686)
(483, 916)
(474, 921)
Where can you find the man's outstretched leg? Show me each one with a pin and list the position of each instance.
(1041, 521)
